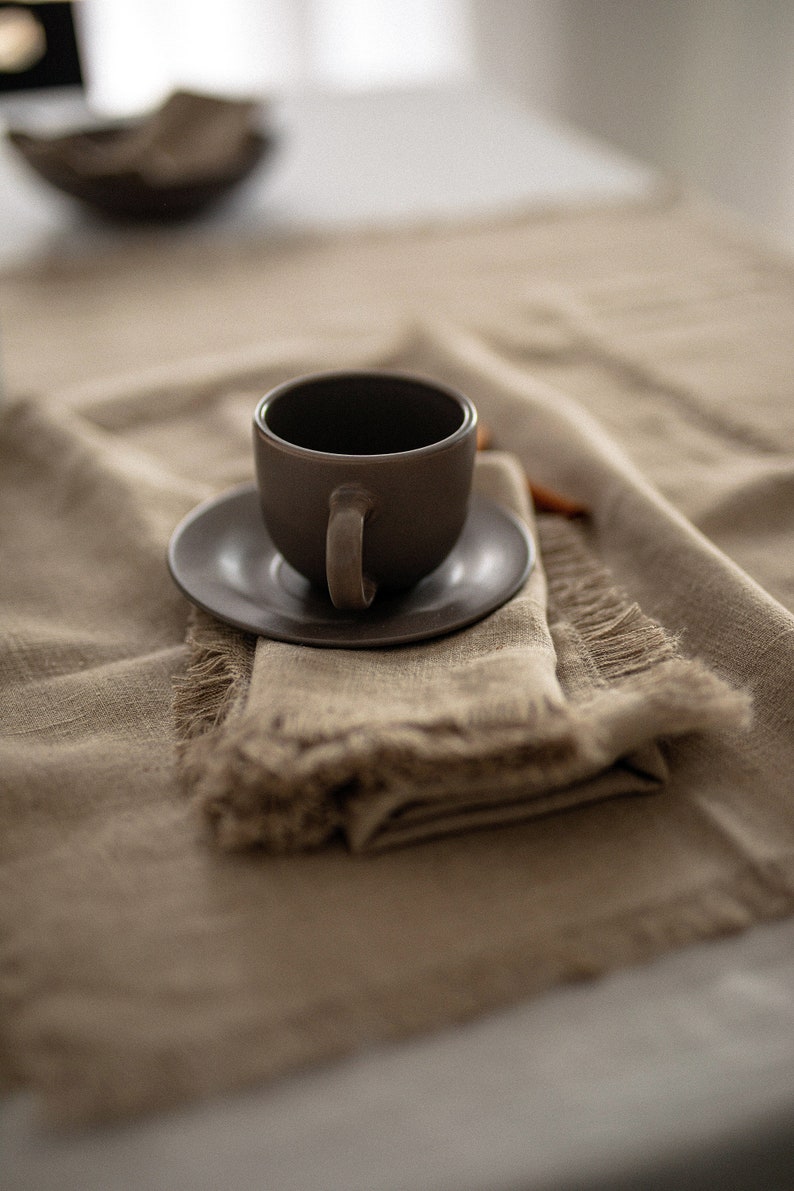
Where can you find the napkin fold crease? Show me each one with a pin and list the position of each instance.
(563, 696)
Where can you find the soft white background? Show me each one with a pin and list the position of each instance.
(702, 88)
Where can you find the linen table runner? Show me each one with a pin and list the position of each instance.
(141, 965)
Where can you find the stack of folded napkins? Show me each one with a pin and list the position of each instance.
(564, 696)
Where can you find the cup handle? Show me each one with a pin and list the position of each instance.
(350, 589)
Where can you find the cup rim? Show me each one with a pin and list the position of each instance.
(467, 425)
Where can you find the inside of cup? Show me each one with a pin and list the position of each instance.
(360, 414)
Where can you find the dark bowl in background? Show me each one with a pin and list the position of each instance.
(130, 193)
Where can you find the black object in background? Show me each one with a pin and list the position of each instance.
(38, 47)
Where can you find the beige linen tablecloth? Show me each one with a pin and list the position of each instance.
(618, 354)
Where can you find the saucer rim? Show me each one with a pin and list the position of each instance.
(480, 506)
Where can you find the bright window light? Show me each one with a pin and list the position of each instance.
(136, 51)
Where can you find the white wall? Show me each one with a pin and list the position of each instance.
(703, 88)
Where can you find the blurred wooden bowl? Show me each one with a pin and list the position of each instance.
(162, 168)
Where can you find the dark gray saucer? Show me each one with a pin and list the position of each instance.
(222, 558)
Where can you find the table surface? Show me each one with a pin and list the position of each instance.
(461, 151)
(676, 1074)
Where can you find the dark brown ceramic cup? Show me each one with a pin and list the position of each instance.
(364, 478)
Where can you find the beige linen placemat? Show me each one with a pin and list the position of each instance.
(140, 966)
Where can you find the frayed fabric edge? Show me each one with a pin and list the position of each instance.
(216, 678)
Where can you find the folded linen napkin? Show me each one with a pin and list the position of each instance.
(563, 696)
